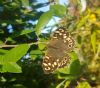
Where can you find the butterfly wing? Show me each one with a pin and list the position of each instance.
(56, 55)
(50, 64)
(65, 38)
(64, 61)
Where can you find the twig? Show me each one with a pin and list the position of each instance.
(4, 45)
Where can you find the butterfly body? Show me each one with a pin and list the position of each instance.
(56, 55)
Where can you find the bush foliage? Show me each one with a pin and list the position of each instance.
(22, 45)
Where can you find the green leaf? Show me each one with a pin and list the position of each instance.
(93, 40)
(35, 53)
(83, 85)
(41, 46)
(1, 59)
(64, 70)
(98, 11)
(1, 42)
(73, 56)
(58, 10)
(75, 68)
(44, 19)
(16, 53)
(75, 64)
(11, 67)
(67, 84)
(2, 51)
(82, 21)
(98, 31)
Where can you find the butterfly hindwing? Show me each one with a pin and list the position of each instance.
(50, 64)
(64, 61)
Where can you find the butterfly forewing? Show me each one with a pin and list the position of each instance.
(56, 55)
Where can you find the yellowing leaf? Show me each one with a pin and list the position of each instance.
(93, 40)
(83, 85)
(67, 84)
(92, 18)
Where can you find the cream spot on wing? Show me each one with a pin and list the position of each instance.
(57, 32)
(54, 37)
(62, 30)
(46, 57)
(53, 66)
(49, 64)
(68, 39)
(60, 33)
(57, 60)
(64, 36)
(47, 68)
(45, 64)
(55, 63)
(64, 41)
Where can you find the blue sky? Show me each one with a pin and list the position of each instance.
(47, 7)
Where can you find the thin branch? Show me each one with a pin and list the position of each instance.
(4, 45)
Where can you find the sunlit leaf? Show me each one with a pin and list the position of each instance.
(1, 59)
(16, 53)
(11, 67)
(58, 10)
(93, 40)
(98, 11)
(36, 52)
(64, 70)
(2, 51)
(92, 18)
(98, 31)
(44, 19)
(82, 21)
(41, 46)
(83, 85)
(66, 84)
(73, 56)
(1, 42)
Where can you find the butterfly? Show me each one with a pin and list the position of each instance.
(56, 56)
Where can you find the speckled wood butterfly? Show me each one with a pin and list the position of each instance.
(56, 56)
